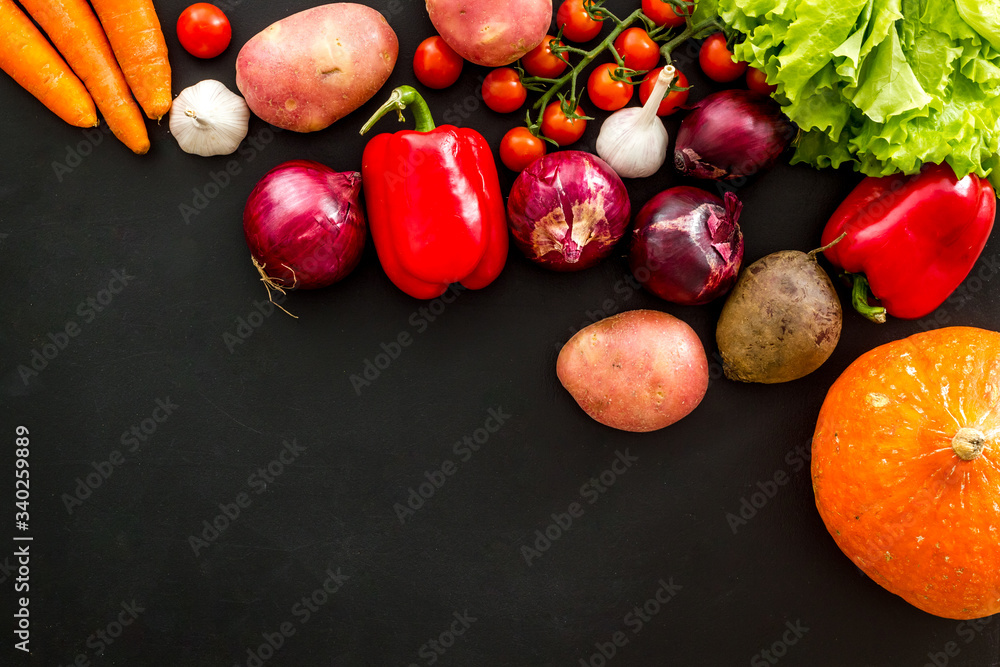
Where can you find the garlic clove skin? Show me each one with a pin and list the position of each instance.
(209, 119)
(634, 140)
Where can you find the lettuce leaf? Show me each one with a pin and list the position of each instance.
(883, 85)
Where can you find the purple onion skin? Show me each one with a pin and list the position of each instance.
(687, 246)
(304, 224)
(732, 134)
(567, 210)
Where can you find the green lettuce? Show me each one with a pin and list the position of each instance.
(883, 85)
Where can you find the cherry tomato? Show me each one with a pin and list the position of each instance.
(605, 92)
(662, 13)
(576, 23)
(560, 129)
(436, 64)
(717, 60)
(204, 30)
(540, 61)
(637, 50)
(503, 91)
(757, 81)
(519, 148)
(673, 100)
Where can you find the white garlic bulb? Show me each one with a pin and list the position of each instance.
(634, 141)
(209, 119)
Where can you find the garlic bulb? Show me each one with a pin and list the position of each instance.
(209, 119)
(634, 141)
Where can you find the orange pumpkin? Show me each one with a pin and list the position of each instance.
(906, 469)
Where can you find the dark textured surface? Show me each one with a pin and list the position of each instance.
(169, 334)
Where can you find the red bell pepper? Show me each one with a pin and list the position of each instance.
(911, 239)
(434, 204)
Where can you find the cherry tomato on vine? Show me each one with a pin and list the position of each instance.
(604, 91)
(757, 82)
(717, 60)
(673, 100)
(519, 148)
(576, 23)
(663, 13)
(204, 30)
(540, 61)
(435, 64)
(560, 129)
(637, 50)
(503, 91)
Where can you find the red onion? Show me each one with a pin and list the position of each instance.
(687, 246)
(732, 134)
(304, 225)
(567, 210)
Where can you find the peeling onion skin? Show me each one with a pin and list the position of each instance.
(567, 210)
(639, 371)
(687, 246)
(732, 134)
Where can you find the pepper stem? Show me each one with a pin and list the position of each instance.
(860, 292)
(401, 98)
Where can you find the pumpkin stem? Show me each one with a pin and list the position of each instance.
(968, 443)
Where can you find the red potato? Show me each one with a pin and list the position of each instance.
(312, 68)
(491, 32)
(639, 371)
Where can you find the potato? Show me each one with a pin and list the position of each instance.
(781, 321)
(312, 68)
(491, 32)
(636, 371)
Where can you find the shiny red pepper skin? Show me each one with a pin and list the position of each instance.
(915, 238)
(434, 204)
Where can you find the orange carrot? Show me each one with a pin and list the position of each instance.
(28, 57)
(135, 35)
(76, 32)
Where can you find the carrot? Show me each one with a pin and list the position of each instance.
(28, 57)
(76, 32)
(135, 35)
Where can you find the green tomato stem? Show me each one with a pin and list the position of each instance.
(588, 57)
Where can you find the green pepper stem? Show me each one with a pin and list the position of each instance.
(860, 293)
(404, 97)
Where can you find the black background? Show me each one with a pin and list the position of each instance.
(163, 337)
